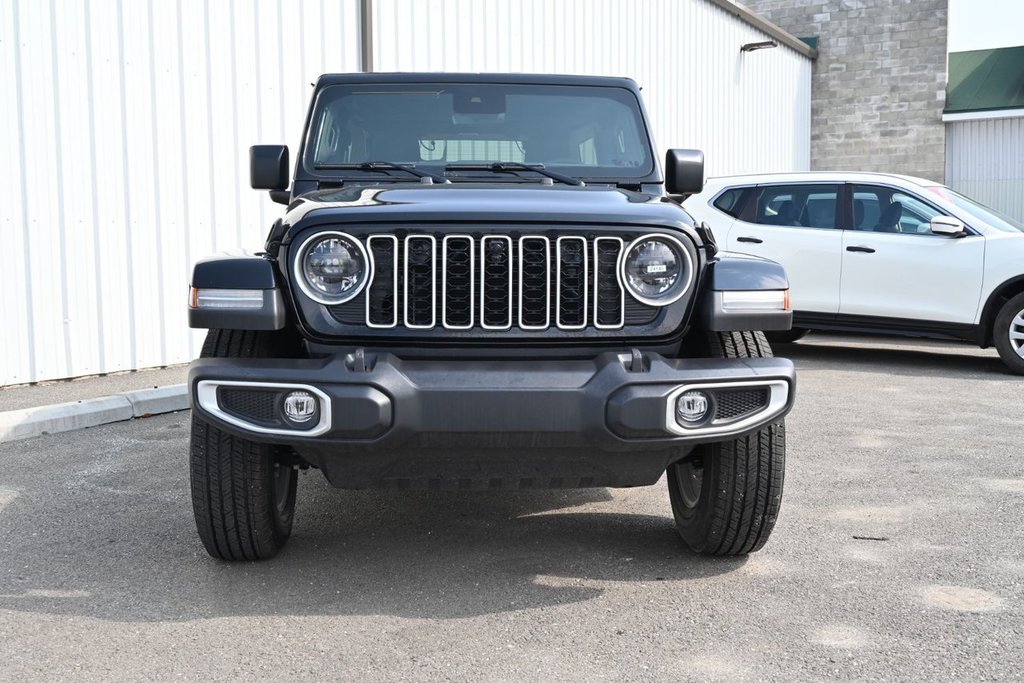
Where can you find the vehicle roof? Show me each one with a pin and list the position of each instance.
(811, 176)
(448, 77)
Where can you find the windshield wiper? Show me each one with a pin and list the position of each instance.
(382, 167)
(515, 167)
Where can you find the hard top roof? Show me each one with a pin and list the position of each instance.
(448, 77)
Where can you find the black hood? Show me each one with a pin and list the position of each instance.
(485, 203)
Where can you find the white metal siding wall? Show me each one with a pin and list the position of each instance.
(985, 161)
(749, 112)
(124, 134)
(125, 126)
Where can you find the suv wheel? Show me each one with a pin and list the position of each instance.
(726, 496)
(243, 493)
(1008, 332)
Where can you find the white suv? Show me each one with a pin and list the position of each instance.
(879, 253)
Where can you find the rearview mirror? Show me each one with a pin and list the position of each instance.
(948, 226)
(684, 171)
(268, 167)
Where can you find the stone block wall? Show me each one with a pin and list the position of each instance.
(879, 82)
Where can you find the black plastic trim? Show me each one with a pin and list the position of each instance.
(732, 272)
(900, 327)
(225, 271)
(482, 397)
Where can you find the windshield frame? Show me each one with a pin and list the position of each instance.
(306, 169)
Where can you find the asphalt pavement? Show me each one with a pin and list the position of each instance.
(899, 555)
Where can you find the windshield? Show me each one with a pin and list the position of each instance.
(989, 216)
(584, 132)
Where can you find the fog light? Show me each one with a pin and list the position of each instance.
(300, 407)
(692, 407)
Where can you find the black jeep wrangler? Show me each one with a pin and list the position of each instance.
(485, 281)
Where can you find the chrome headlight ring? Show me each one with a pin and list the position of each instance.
(678, 289)
(302, 280)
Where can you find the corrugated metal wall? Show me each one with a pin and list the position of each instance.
(124, 133)
(750, 112)
(985, 161)
(125, 127)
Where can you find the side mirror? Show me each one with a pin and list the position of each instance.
(684, 171)
(268, 167)
(948, 226)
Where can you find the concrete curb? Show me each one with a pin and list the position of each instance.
(64, 417)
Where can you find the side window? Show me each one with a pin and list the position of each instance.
(917, 216)
(798, 206)
(731, 201)
(884, 209)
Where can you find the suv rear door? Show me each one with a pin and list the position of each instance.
(796, 225)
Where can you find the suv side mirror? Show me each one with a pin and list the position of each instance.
(948, 226)
(268, 167)
(684, 171)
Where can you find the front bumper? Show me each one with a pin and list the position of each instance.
(386, 418)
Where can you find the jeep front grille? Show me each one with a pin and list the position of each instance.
(495, 282)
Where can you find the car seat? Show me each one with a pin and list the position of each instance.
(786, 214)
(889, 220)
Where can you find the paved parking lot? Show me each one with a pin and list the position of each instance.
(899, 554)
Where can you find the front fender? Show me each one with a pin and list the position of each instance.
(236, 292)
(745, 292)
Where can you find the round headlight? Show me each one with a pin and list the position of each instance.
(332, 267)
(657, 269)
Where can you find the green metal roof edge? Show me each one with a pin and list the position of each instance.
(985, 80)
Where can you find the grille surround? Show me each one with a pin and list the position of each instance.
(502, 277)
(612, 311)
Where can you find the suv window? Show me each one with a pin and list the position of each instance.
(732, 201)
(801, 206)
(884, 209)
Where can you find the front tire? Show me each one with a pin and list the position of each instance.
(726, 496)
(1008, 332)
(243, 492)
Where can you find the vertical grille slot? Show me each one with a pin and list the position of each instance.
(609, 296)
(496, 282)
(457, 279)
(571, 283)
(534, 283)
(420, 282)
(382, 293)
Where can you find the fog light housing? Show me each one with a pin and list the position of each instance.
(692, 407)
(300, 407)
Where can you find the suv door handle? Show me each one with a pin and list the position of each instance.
(752, 240)
(863, 250)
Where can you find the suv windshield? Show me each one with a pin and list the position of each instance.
(989, 216)
(584, 132)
